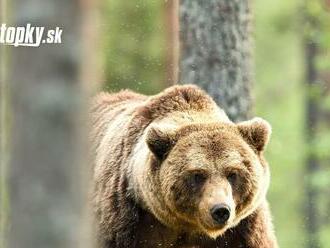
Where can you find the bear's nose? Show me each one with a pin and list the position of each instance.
(220, 213)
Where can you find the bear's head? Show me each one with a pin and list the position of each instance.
(210, 176)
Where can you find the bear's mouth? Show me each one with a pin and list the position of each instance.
(212, 230)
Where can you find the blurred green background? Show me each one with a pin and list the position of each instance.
(134, 58)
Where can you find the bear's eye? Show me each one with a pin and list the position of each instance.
(197, 179)
(232, 178)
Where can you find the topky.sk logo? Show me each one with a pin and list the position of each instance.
(29, 35)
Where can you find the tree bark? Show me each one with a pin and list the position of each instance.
(4, 133)
(216, 51)
(172, 41)
(312, 119)
(47, 178)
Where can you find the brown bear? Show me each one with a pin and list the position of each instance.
(172, 170)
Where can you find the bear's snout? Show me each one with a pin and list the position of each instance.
(220, 213)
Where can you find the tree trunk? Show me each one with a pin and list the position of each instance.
(216, 51)
(4, 130)
(172, 41)
(312, 119)
(47, 177)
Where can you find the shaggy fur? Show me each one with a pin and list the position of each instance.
(148, 151)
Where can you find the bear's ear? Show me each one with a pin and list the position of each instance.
(160, 140)
(256, 132)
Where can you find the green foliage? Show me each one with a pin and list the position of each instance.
(280, 99)
(325, 237)
(326, 103)
(321, 144)
(320, 179)
(134, 45)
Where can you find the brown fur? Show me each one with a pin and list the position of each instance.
(148, 149)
